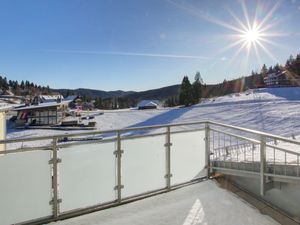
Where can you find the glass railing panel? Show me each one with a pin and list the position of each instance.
(187, 156)
(86, 175)
(25, 188)
(143, 165)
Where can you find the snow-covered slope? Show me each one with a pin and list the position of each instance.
(274, 110)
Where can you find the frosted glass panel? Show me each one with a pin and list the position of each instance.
(86, 175)
(187, 156)
(143, 165)
(25, 186)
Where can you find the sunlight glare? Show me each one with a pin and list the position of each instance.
(251, 36)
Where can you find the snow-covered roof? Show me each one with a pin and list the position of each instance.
(5, 107)
(274, 75)
(43, 105)
(51, 97)
(145, 103)
(71, 98)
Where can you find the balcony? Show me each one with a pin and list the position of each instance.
(47, 179)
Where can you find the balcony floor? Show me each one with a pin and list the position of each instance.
(203, 203)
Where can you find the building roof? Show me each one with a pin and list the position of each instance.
(71, 98)
(5, 107)
(43, 105)
(51, 97)
(145, 103)
(274, 75)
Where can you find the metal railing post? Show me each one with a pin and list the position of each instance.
(262, 164)
(118, 154)
(54, 161)
(207, 149)
(168, 145)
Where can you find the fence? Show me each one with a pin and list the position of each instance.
(68, 175)
(43, 183)
(244, 152)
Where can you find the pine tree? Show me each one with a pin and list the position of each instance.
(276, 68)
(264, 70)
(263, 73)
(185, 94)
(98, 103)
(197, 88)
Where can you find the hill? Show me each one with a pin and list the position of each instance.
(159, 93)
(92, 93)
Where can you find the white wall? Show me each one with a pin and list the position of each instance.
(2, 129)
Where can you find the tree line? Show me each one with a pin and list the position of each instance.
(188, 93)
(191, 93)
(23, 88)
(109, 103)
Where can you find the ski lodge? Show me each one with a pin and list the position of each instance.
(281, 79)
(49, 112)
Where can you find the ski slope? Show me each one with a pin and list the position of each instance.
(273, 110)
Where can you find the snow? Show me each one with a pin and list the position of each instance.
(273, 110)
(203, 203)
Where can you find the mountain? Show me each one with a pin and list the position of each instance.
(93, 93)
(160, 93)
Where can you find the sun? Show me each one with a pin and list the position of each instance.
(251, 36)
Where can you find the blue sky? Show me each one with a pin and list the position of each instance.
(139, 44)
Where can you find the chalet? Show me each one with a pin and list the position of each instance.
(42, 114)
(148, 104)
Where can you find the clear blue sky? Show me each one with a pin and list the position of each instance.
(138, 44)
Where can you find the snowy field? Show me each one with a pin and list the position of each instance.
(273, 110)
(203, 203)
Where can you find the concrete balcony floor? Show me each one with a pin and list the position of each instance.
(202, 203)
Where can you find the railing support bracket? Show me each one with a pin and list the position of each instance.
(118, 187)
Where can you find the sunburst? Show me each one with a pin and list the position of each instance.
(250, 34)
(253, 35)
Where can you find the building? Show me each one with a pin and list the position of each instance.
(50, 98)
(42, 114)
(4, 108)
(148, 104)
(281, 79)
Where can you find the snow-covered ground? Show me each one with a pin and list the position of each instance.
(203, 203)
(273, 110)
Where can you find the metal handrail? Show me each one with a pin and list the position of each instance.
(283, 149)
(98, 132)
(120, 135)
(236, 136)
(118, 138)
(51, 137)
(251, 131)
(260, 133)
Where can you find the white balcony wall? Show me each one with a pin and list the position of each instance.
(86, 175)
(187, 156)
(143, 165)
(25, 188)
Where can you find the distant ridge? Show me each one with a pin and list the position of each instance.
(159, 93)
(92, 92)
